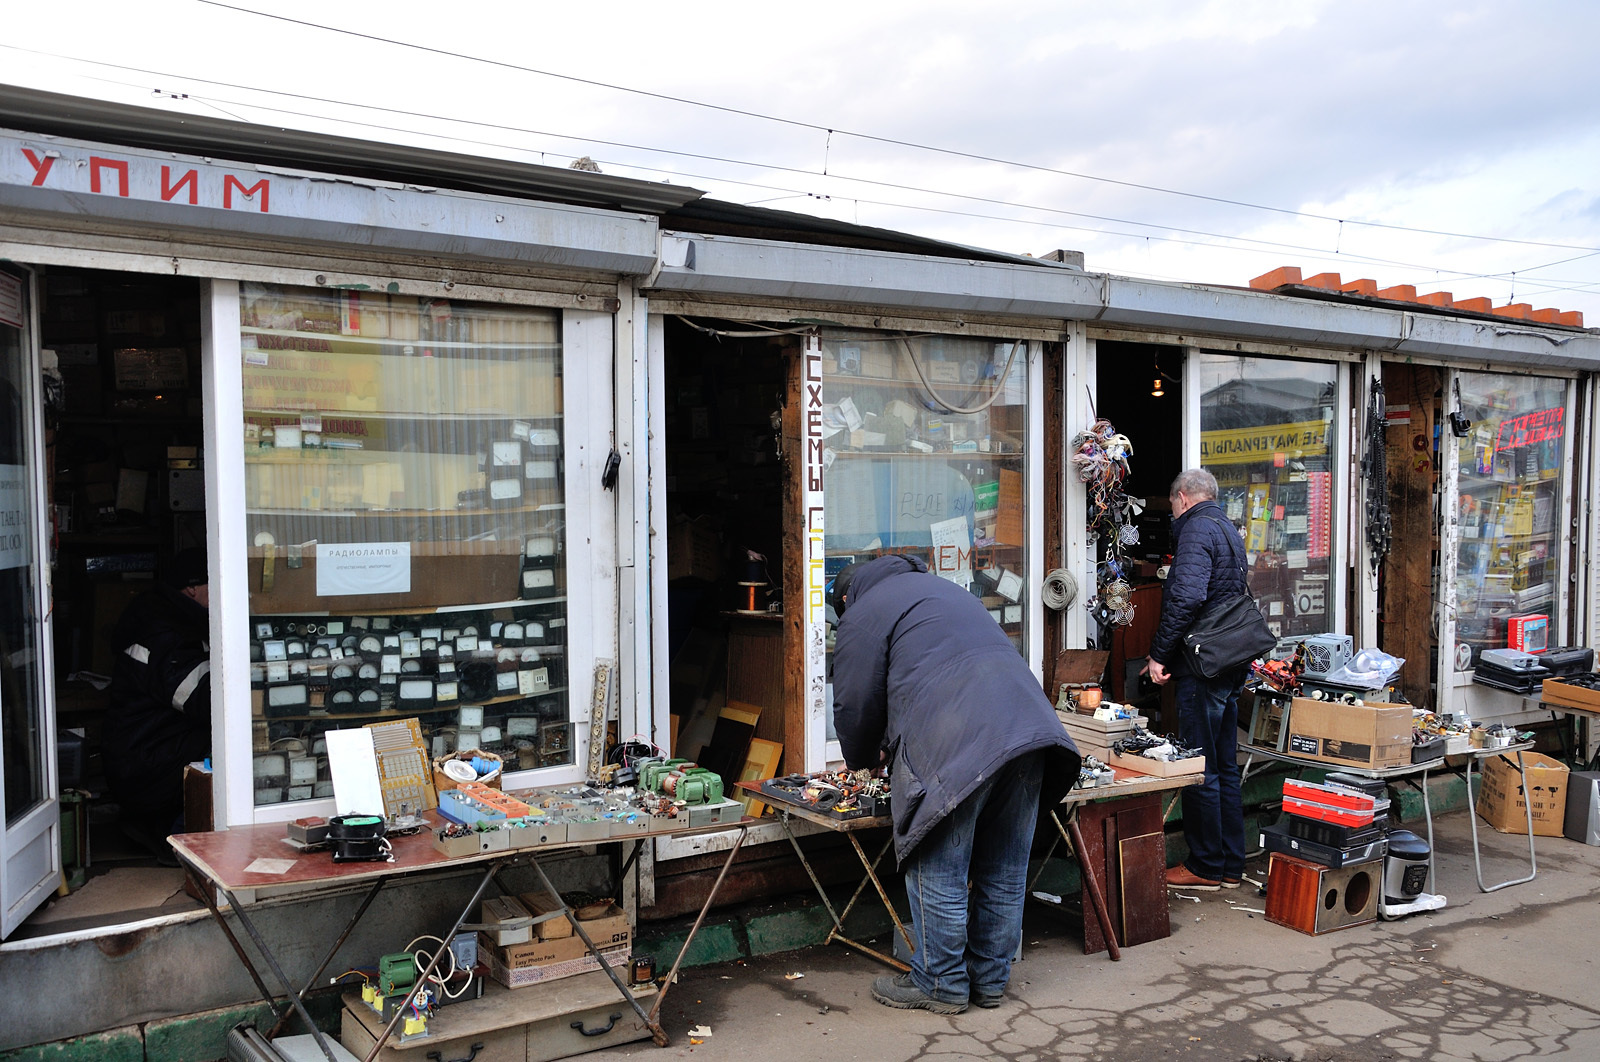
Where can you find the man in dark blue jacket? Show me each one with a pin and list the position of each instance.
(925, 680)
(1208, 565)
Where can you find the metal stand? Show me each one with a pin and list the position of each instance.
(297, 998)
(1478, 756)
(871, 868)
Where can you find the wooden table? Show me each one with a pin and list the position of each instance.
(250, 859)
(848, 827)
(1128, 811)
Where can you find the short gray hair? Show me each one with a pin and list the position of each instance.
(1196, 483)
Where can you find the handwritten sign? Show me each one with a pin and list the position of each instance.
(14, 529)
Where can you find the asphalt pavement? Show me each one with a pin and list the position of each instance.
(1494, 976)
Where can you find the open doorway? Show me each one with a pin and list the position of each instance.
(1414, 401)
(127, 496)
(725, 390)
(1141, 393)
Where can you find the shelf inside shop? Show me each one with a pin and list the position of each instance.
(431, 609)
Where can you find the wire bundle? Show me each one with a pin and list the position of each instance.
(1100, 456)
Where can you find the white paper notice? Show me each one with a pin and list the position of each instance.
(952, 550)
(14, 528)
(363, 568)
(353, 763)
(1297, 558)
(1295, 525)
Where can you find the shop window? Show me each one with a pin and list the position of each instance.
(1509, 497)
(924, 454)
(1268, 433)
(406, 528)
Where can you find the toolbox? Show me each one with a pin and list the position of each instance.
(1328, 803)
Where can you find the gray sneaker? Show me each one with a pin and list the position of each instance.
(902, 993)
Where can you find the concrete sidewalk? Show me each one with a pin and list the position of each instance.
(1506, 975)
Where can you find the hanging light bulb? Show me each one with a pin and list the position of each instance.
(1155, 388)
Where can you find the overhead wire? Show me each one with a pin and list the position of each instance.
(874, 138)
(1325, 255)
(1337, 256)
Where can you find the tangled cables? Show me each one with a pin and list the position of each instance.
(1100, 456)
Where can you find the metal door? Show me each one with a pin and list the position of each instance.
(30, 845)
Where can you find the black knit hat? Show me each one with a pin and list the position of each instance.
(841, 587)
(188, 568)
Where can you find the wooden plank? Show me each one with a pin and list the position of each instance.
(1054, 444)
(755, 670)
(1406, 600)
(506, 1008)
(1143, 859)
(1091, 820)
(794, 555)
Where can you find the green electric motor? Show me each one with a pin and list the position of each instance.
(396, 972)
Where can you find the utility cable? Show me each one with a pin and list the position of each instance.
(872, 138)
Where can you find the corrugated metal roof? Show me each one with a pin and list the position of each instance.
(50, 113)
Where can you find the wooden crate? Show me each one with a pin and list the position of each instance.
(1159, 768)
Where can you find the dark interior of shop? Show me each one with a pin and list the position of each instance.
(725, 522)
(127, 490)
(1129, 375)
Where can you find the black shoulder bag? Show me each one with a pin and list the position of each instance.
(1230, 632)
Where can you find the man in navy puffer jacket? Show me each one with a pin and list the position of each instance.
(926, 681)
(1208, 566)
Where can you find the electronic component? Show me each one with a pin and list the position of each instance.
(403, 769)
(358, 839)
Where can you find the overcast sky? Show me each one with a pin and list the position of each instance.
(1470, 119)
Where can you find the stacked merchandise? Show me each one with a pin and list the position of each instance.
(1335, 862)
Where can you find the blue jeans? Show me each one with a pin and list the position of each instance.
(985, 840)
(1213, 818)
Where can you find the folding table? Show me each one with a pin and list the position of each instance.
(258, 858)
(848, 827)
(1477, 756)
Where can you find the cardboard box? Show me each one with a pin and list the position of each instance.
(542, 903)
(1501, 800)
(1373, 736)
(522, 977)
(693, 551)
(1158, 768)
(610, 930)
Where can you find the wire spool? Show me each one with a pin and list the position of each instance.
(750, 598)
(1059, 589)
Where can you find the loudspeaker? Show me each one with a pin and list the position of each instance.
(1316, 899)
(1583, 807)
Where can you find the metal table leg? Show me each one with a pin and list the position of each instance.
(203, 887)
(349, 928)
(653, 1019)
(283, 979)
(837, 932)
(583, 934)
(439, 953)
(1472, 807)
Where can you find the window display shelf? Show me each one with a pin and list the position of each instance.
(944, 455)
(507, 510)
(397, 346)
(396, 713)
(433, 610)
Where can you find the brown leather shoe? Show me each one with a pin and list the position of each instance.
(1180, 877)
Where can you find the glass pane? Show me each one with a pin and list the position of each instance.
(923, 454)
(20, 707)
(1268, 433)
(1509, 502)
(403, 476)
